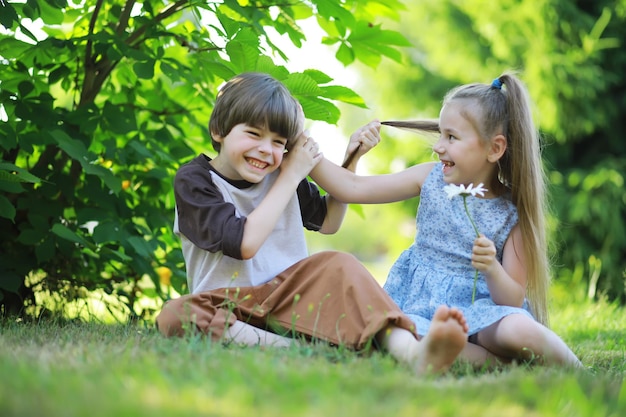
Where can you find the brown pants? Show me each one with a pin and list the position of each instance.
(328, 296)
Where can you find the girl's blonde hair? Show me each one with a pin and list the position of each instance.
(504, 107)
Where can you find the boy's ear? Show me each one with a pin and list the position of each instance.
(497, 148)
(216, 137)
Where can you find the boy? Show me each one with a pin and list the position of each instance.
(240, 217)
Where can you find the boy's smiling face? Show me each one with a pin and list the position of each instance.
(249, 153)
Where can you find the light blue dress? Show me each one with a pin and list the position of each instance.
(437, 268)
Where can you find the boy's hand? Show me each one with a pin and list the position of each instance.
(361, 141)
(303, 157)
(484, 254)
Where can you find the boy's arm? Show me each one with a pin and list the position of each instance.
(261, 221)
(361, 141)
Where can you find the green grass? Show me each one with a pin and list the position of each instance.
(89, 369)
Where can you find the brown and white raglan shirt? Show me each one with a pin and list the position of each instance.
(210, 215)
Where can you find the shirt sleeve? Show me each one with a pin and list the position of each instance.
(312, 205)
(204, 217)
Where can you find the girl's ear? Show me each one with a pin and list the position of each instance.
(497, 148)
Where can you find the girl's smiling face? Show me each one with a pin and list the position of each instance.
(460, 147)
(249, 153)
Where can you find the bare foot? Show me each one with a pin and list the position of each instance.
(445, 340)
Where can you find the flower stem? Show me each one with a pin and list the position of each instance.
(469, 216)
(477, 235)
(474, 289)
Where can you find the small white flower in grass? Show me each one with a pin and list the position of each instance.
(454, 190)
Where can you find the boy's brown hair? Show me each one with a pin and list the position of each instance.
(258, 100)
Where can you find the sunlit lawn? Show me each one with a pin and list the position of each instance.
(88, 369)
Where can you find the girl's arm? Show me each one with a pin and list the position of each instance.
(348, 187)
(506, 281)
(360, 143)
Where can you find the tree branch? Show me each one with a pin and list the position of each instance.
(164, 14)
(96, 72)
(90, 61)
(125, 16)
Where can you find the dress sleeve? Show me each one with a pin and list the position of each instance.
(204, 217)
(312, 205)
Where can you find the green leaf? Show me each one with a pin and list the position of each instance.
(25, 88)
(266, 65)
(52, 11)
(7, 132)
(231, 26)
(330, 28)
(17, 175)
(31, 9)
(31, 236)
(243, 56)
(141, 246)
(317, 109)
(11, 187)
(38, 221)
(6, 209)
(106, 232)
(344, 54)
(171, 71)
(343, 94)
(302, 84)
(301, 11)
(318, 76)
(76, 149)
(8, 15)
(141, 149)
(65, 233)
(369, 44)
(59, 73)
(149, 292)
(332, 9)
(308, 93)
(114, 183)
(144, 69)
(119, 119)
(117, 254)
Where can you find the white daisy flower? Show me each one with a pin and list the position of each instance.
(453, 190)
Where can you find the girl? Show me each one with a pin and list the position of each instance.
(486, 135)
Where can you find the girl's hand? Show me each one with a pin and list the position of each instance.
(361, 141)
(484, 254)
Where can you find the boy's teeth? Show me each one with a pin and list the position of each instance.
(257, 164)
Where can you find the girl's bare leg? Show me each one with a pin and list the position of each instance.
(479, 357)
(436, 351)
(520, 337)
